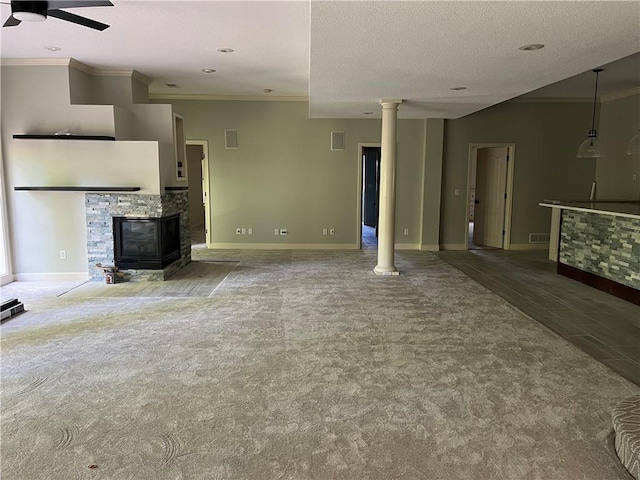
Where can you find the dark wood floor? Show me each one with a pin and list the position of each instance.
(605, 327)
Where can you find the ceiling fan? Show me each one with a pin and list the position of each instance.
(38, 11)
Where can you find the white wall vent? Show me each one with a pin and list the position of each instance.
(230, 139)
(337, 140)
(539, 238)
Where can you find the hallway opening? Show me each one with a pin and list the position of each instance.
(198, 183)
(369, 156)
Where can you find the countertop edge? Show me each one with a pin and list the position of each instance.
(589, 210)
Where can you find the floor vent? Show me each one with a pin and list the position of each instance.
(539, 238)
(10, 308)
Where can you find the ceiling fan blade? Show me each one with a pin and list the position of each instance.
(55, 4)
(70, 17)
(11, 22)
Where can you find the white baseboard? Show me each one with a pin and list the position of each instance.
(52, 277)
(407, 246)
(5, 279)
(529, 246)
(283, 246)
(430, 248)
(453, 246)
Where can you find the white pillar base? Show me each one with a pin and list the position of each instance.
(385, 270)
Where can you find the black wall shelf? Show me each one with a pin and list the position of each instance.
(78, 189)
(64, 137)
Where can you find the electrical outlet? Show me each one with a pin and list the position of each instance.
(406, 231)
(277, 231)
(332, 231)
(324, 231)
(634, 177)
(456, 192)
(283, 231)
(244, 231)
(63, 254)
(238, 230)
(250, 231)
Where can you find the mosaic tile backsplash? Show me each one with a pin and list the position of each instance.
(605, 245)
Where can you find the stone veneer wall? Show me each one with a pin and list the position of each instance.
(100, 208)
(605, 245)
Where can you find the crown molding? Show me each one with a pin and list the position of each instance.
(34, 62)
(73, 63)
(47, 62)
(550, 100)
(603, 98)
(83, 67)
(236, 98)
(115, 72)
(112, 72)
(618, 95)
(141, 77)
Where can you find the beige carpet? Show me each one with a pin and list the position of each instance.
(298, 365)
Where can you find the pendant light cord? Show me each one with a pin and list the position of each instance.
(595, 99)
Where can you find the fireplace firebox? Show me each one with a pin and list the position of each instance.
(146, 243)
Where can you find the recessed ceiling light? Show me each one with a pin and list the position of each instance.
(458, 88)
(225, 50)
(172, 85)
(53, 49)
(533, 46)
(267, 90)
(367, 113)
(208, 70)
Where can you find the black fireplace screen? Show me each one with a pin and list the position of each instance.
(146, 243)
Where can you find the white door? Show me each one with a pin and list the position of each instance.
(491, 187)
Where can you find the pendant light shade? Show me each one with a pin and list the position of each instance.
(634, 144)
(589, 148)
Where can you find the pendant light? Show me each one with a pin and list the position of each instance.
(589, 148)
(634, 144)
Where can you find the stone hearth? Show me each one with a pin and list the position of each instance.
(100, 208)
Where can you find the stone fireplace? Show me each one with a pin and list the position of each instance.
(146, 243)
(146, 236)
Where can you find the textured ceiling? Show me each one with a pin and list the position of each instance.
(171, 42)
(363, 51)
(347, 55)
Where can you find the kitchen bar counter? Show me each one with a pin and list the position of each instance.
(598, 243)
(609, 207)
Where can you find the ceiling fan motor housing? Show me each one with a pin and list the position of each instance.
(19, 7)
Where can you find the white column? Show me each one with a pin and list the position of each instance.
(387, 212)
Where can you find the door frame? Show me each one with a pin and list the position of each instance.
(6, 276)
(508, 208)
(360, 179)
(205, 186)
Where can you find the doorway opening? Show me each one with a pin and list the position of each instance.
(198, 182)
(489, 196)
(5, 258)
(369, 155)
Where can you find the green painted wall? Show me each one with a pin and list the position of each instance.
(284, 174)
(546, 137)
(619, 121)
